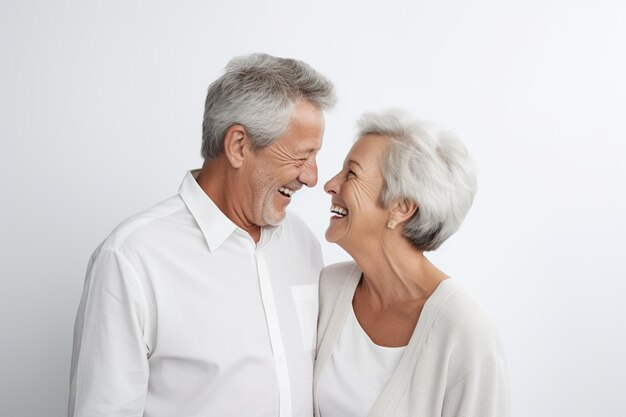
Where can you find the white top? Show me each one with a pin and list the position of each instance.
(356, 372)
(182, 314)
(453, 365)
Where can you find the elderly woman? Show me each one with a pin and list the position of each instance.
(396, 335)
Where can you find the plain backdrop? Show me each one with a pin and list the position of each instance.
(100, 116)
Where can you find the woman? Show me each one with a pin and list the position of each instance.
(397, 336)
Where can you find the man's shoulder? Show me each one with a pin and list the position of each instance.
(139, 226)
(295, 223)
(297, 228)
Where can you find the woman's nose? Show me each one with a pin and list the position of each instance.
(332, 185)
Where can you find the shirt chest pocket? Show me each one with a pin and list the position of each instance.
(305, 299)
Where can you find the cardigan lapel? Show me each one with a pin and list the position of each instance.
(336, 323)
(338, 316)
(395, 387)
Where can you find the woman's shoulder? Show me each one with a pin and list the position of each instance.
(334, 276)
(466, 333)
(464, 319)
(339, 269)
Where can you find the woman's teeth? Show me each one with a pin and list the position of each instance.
(287, 192)
(339, 211)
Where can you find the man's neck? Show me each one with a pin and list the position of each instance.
(219, 182)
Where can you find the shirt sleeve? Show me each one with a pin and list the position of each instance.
(109, 373)
(483, 390)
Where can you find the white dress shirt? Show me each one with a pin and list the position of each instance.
(356, 373)
(183, 315)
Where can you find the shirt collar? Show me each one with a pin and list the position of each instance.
(214, 224)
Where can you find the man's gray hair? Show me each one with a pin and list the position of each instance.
(259, 91)
(427, 165)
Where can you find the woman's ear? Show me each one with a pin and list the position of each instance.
(402, 210)
(235, 143)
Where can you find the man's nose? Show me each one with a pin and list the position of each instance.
(308, 176)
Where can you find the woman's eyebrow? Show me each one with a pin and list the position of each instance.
(352, 161)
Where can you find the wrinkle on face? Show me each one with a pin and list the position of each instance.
(287, 162)
(358, 187)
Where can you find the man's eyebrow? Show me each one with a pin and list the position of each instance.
(308, 150)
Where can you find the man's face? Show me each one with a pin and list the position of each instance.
(286, 165)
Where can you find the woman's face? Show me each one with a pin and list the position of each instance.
(355, 190)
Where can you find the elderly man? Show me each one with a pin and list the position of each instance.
(206, 304)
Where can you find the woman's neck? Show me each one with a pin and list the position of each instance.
(396, 272)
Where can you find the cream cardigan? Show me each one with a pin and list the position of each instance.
(453, 365)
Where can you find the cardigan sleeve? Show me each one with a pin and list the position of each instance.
(482, 390)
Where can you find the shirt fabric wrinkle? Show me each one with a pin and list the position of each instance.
(201, 309)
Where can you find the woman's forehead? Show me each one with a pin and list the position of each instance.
(368, 148)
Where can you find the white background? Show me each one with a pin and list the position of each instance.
(100, 117)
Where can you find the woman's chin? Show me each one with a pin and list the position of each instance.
(336, 229)
(332, 234)
(329, 235)
(338, 237)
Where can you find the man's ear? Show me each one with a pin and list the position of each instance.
(235, 143)
(402, 210)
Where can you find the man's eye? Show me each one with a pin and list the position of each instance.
(351, 173)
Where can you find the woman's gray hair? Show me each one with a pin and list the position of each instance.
(259, 92)
(427, 165)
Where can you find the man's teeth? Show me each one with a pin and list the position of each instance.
(287, 192)
(339, 211)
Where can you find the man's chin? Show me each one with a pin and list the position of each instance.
(275, 218)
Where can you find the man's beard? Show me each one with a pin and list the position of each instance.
(269, 214)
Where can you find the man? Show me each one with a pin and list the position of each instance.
(206, 304)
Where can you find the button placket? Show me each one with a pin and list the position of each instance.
(278, 349)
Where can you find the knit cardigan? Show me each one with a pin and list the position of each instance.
(453, 365)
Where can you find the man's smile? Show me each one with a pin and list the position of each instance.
(287, 192)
